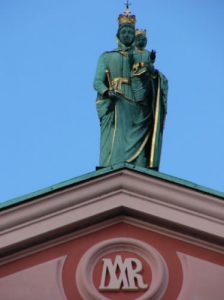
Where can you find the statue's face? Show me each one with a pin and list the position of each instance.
(126, 35)
(140, 41)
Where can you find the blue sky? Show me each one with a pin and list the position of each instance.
(48, 55)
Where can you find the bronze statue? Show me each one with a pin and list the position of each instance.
(131, 100)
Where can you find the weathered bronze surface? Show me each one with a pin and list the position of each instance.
(131, 100)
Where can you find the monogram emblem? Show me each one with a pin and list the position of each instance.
(124, 275)
(108, 267)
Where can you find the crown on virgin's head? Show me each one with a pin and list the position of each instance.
(126, 17)
(140, 32)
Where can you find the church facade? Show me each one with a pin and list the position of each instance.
(122, 232)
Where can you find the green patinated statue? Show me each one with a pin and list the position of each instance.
(131, 100)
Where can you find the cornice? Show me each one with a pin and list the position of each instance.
(121, 192)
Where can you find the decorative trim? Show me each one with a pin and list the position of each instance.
(155, 129)
(146, 225)
(114, 194)
(137, 153)
(114, 134)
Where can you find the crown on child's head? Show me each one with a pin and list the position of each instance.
(140, 32)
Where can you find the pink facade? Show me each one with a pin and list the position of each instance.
(121, 236)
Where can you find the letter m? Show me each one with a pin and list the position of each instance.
(121, 275)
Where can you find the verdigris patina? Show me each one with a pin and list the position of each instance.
(131, 100)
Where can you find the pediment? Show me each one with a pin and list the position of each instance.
(67, 242)
(121, 193)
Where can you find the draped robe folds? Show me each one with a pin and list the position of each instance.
(131, 124)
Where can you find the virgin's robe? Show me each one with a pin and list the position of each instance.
(127, 122)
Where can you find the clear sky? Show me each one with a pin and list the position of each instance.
(48, 55)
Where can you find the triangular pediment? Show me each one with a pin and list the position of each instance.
(159, 231)
(120, 192)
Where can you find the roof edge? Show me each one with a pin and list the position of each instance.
(105, 171)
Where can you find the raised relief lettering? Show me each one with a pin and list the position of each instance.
(122, 275)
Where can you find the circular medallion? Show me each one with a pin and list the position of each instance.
(122, 268)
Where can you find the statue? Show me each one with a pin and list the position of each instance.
(131, 100)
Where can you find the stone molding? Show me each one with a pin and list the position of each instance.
(114, 194)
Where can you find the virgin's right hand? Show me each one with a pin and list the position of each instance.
(110, 94)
